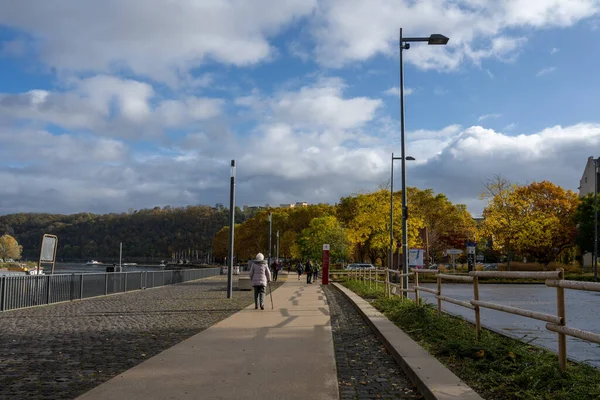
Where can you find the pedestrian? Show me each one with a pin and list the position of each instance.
(275, 268)
(260, 275)
(309, 272)
(316, 272)
(299, 269)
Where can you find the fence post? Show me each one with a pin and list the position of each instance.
(48, 288)
(81, 287)
(387, 283)
(439, 293)
(3, 294)
(125, 282)
(477, 311)
(562, 338)
(416, 287)
(370, 279)
(106, 283)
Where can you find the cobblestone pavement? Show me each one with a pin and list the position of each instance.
(63, 350)
(365, 368)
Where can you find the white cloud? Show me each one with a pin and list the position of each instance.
(319, 105)
(510, 126)
(108, 104)
(554, 50)
(153, 38)
(545, 71)
(488, 116)
(351, 30)
(395, 91)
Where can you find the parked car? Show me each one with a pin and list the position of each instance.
(353, 267)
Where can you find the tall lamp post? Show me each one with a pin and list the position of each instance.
(434, 39)
(596, 164)
(231, 229)
(270, 226)
(409, 158)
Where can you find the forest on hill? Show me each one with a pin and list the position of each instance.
(148, 233)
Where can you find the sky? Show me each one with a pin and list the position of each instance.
(117, 105)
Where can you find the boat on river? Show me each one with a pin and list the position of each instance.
(93, 262)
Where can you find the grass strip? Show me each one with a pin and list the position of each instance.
(496, 367)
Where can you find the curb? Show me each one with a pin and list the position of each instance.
(434, 380)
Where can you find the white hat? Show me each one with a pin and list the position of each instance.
(260, 257)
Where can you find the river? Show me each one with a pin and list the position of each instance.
(78, 268)
(581, 310)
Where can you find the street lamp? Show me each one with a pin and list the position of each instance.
(596, 164)
(434, 39)
(231, 229)
(409, 158)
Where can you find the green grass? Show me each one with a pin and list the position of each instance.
(496, 367)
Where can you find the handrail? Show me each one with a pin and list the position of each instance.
(519, 311)
(516, 274)
(463, 278)
(576, 285)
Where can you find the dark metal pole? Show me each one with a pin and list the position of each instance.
(403, 147)
(391, 262)
(270, 226)
(231, 229)
(277, 247)
(596, 161)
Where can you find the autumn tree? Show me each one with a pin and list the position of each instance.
(535, 221)
(9, 248)
(546, 215)
(501, 222)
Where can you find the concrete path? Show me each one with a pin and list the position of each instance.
(284, 353)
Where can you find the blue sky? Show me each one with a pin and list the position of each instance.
(107, 106)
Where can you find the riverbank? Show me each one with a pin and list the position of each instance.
(496, 367)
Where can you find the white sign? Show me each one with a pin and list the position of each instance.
(415, 258)
(454, 251)
(48, 248)
(470, 249)
(325, 247)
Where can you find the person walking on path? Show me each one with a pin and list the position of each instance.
(260, 275)
(309, 272)
(299, 269)
(275, 268)
(316, 272)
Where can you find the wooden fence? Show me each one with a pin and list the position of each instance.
(554, 279)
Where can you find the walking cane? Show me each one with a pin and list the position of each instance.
(270, 294)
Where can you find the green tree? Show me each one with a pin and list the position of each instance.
(9, 248)
(324, 230)
(584, 221)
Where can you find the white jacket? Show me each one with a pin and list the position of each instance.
(260, 273)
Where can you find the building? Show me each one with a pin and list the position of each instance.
(301, 204)
(285, 205)
(586, 186)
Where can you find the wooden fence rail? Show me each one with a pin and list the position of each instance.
(555, 323)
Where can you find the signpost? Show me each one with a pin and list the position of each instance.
(471, 255)
(325, 273)
(415, 258)
(48, 251)
(453, 253)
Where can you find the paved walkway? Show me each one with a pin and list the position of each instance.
(281, 353)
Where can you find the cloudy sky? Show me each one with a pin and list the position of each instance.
(111, 105)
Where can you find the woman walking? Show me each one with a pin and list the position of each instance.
(260, 275)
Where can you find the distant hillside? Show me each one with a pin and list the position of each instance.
(156, 232)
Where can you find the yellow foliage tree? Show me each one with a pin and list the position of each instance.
(9, 248)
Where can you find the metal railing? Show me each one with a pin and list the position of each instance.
(554, 323)
(34, 290)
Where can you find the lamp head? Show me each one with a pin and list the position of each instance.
(437, 39)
